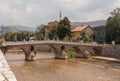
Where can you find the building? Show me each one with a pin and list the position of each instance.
(82, 33)
(49, 27)
(52, 24)
(99, 34)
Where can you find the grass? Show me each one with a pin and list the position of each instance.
(92, 58)
(70, 54)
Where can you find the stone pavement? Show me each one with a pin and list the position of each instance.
(5, 72)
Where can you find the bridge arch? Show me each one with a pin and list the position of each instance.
(42, 47)
(17, 49)
(87, 51)
(53, 48)
(75, 49)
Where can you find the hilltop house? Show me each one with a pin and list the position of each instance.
(82, 33)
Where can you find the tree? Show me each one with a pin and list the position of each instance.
(84, 37)
(18, 36)
(40, 32)
(113, 26)
(63, 28)
(9, 36)
(53, 33)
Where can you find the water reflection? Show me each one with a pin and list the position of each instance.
(46, 68)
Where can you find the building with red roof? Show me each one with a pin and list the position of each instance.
(49, 27)
(82, 32)
(52, 24)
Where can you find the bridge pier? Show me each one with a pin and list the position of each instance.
(79, 55)
(84, 54)
(30, 56)
(60, 56)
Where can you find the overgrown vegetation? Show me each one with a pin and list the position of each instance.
(40, 32)
(113, 26)
(53, 33)
(92, 57)
(70, 54)
(63, 28)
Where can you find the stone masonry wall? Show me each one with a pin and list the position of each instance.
(111, 50)
(5, 72)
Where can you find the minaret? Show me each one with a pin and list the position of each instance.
(60, 15)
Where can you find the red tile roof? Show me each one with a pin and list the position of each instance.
(79, 28)
(54, 23)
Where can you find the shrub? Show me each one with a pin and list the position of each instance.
(92, 57)
(70, 54)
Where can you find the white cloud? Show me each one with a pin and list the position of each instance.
(29, 8)
(96, 15)
(117, 4)
(74, 4)
(34, 12)
(4, 7)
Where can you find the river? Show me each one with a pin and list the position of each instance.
(46, 68)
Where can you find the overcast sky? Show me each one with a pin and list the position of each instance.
(35, 12)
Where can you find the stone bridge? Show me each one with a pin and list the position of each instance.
(31, 48)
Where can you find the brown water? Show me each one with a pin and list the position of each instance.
(46, 68)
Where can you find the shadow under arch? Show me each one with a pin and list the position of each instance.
(78, 50)
(87, 51)
(73, 49)
(97, 51)
(47, 48)
(54, 48)
(13, 50)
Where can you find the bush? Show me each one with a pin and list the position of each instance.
(70, 54)
(92, 57)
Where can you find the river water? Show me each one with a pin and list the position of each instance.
(46, 68)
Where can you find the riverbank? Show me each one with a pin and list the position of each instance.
(6, 73)
(107, 58)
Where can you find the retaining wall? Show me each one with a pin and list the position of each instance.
(111, 50)
(6, 73)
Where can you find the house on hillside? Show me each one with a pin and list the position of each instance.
(49, 27)
(82, 33)
(99, 34)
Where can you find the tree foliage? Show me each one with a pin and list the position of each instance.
(18, 36)
(83, 36)
(53, 33)
(113, 26)
(9, 36)
(63, 28)
(40, 32)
